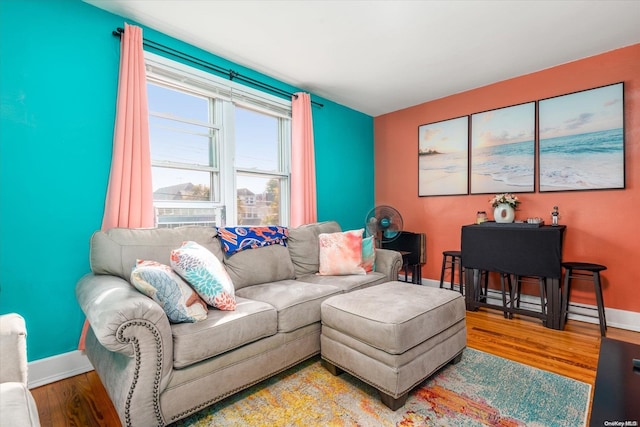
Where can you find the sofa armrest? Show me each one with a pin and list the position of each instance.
(388, 262)
(112, 305)
(13, 349)
(130, 345)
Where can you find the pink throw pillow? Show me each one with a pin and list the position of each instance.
(341, 253)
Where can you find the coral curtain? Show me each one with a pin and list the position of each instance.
(129, 201)
(303, 167)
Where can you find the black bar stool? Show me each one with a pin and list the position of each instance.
(517, 291)
(587, 272)
(506, 286)
(451, 259)
(483, 281)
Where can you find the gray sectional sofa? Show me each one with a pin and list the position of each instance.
(157, 372)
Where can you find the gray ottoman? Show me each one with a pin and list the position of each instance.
(393, 336)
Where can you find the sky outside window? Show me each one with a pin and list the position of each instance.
(173, 140)
(256, 140)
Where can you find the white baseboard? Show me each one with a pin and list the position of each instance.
(59, 367)
(622, 319)
(56, 368)
(629, 320)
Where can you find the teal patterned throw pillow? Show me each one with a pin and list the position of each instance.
(369, 254)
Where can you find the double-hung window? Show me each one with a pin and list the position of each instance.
(220, 152)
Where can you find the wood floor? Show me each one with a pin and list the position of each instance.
(83, 402)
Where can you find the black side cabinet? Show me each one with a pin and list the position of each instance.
(616, 397)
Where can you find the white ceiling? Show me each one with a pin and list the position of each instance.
(380, 56)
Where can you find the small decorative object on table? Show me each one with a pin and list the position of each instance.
(504, 205)
(554, 216)
(481, 217)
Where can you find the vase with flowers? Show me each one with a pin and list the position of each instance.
(504, 207)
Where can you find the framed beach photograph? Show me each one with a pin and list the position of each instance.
(581, 140)
(503, 150)
(443, 157)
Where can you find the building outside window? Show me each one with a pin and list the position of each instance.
(220, 152)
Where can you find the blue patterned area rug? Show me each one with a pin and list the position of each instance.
(481, 390)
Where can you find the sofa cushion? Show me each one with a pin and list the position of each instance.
(160, 283)
(261, 265)
(116, 251)
(222, 331)
(304, 246)
(297, 303)
(395, 316)
(341, 253)
(17, 406)
(198, 266)
(347, 283)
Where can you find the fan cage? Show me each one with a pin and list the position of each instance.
(384, 222)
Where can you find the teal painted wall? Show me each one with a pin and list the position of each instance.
(58, 80)
(345, 165)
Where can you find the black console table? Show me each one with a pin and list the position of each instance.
(413, 248)
(616, 397)
(519, 249)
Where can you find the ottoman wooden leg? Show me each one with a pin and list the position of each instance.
(456, 359)
(332, 368)
(394, 403)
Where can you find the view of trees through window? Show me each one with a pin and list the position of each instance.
(259, 209)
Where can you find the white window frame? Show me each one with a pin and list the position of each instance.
(227, 95)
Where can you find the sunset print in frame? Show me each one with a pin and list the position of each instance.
(443, 159)
(503, 150)
(581, 140)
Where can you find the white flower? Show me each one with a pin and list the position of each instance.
(505, 198)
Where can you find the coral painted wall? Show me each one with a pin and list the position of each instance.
(602, 226)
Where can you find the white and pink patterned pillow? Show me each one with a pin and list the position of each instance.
(341, 253)
(205, 273)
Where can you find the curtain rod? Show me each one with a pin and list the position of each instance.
(230, 74)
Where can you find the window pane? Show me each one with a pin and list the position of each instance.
(258, 200)
(177, 217)
(256, 140)
(181, 142)
(181, 184)
(178, 104)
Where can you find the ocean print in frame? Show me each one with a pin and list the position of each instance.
(503, 150)
(443, 157)
(581, 140)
